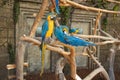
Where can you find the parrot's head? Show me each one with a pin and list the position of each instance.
(65, 29)
(51, 17)
(76, 31)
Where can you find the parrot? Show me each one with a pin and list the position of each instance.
(57, 6)
(70, 40)
(47, 31)
(72, 30)
(76, 31)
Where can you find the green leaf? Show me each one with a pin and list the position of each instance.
(115, 8)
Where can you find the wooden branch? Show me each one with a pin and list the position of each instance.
(19, 60)
(59, 69)
(111, 62)
(36, 42)
(105, 33)
(113, 1)
(88, 8)
(97, 21)
(94, 73)
(93, 36)
(13, 66)
(69, 56)
(100, 69)
(38, 17)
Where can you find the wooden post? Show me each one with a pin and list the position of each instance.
(111, 62)
(20, 61)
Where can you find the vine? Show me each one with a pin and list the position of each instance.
(16, 11)
(11, 53)
(65, 15)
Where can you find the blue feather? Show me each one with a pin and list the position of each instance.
(71, 40)
(57, 6)
(44, 29)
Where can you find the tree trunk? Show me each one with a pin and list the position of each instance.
(20, 61)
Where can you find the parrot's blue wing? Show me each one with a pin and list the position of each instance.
(59, 34)
(75, 41)
(44, 29)
(71, 40)
(57, 6)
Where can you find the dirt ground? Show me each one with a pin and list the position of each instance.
(51, 76)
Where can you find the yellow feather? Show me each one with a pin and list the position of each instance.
(43, 58)
(50, 28)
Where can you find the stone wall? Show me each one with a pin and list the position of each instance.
(6, 35)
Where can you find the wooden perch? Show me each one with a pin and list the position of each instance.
(98, 70)
(13, 66)
(94, 36)
(88, 8)
(38, 17)
(97, 22)
(36, 42)
(20, 60)
(114, 1)
(70, 56)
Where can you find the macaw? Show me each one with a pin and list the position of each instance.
(47, 30)
(76, 31)
(57, 6)
(72, 30)
(71, 40)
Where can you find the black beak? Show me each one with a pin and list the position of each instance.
(53, 17)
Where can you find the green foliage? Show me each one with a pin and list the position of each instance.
(99, 3)
(115, 8)
(65, 14)
(16, 11)
(11, 53)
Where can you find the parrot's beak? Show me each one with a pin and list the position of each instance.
(53, 17)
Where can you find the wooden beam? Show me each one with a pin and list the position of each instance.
(20, 60)
(94, 36)
(114, 1)
(77, 5)
(38, 17)
(13, 66)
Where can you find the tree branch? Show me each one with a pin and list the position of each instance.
(97, 21)
(38, 17)
(94, 36)
(113, 1)
(88, 8)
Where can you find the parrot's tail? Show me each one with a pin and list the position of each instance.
(43, 57)
(91, 44)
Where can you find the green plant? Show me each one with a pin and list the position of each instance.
(65, 15)
(16, 11)
(11, 53)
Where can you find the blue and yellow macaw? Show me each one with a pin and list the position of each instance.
(72, 30)
(71, 40)
(76, 31)
(47, 30)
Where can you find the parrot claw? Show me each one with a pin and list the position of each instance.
(48, 40)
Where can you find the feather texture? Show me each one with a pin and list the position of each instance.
(57, 7)
(47, 30)
(71, 40)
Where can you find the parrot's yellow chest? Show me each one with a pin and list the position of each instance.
(50, 28)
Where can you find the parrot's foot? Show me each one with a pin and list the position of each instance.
(48, 40)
